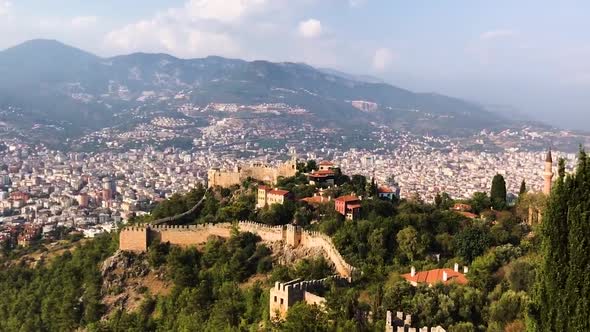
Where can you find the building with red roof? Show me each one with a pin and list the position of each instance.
(432, 277)
(348, 206)
(267, 196)
(386, 192)
(462, 207)
(317, 199)
(322, 177)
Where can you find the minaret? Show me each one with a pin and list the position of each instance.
(548, 174)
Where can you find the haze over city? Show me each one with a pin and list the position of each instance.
(523, 57)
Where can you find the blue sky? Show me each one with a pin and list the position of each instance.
(530, 55)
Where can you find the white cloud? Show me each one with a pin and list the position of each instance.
(496, 34)
(198, 28)
(223, 11)
(5, 7)
(311, 28)
(382, 59)
(84, 21)
(163, 35)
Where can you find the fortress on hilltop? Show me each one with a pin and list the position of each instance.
(282, 295)
(258, 171)
(138, 238)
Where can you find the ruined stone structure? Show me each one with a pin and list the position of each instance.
(138, 238)
(399, 323)
(285, 295)
(258, 171)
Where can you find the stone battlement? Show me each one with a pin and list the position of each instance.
(138, 238)
(402, 323)
(284, 295)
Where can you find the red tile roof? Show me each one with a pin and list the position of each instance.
(385, 190)
(326, 163)
(354, 206)
(263, 187)
(349, 198)
(316, 199)
(467, 214)
(279, 192)
(324, 173)
(462, 207)
(434, 276)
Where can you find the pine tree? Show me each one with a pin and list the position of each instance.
(563, 289)
(498, 192)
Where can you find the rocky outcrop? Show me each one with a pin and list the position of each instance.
(126, 279)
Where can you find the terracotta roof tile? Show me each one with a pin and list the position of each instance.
(433, 276)
(279, 192)
(349, 198)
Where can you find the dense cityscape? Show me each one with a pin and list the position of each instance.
(93, 192)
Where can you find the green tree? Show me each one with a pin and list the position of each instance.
(302, 317)
(563, 294)
(410, 244)
(521, 275)
(472, 242)
(523, 189)
(462, 327)
(480, 202)
(498, 192)
(443, 201)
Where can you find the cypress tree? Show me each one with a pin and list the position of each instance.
(523, 189)
(498, 192)
(562, 300)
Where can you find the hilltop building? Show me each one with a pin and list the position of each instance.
(435, 276)
(325, 175)
(257, 171)
(317, 198)
(387, 192)
(348, 206)
(267, 196)
(322, 177)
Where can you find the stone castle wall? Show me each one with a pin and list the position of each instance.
(284, 295)
(223, 178)
(316, 239)
(138, 238)
(134, 239)
(260, 172)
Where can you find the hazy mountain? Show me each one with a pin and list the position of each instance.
(360, 78)
(49, 81)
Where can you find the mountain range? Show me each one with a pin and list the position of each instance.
(45, 81)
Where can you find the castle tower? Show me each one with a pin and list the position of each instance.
(548, 174)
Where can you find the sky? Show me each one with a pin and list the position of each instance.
(530, 56)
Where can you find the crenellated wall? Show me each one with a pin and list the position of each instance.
(317, 239)
(139, 238)
(284, 295)
(133, 239)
